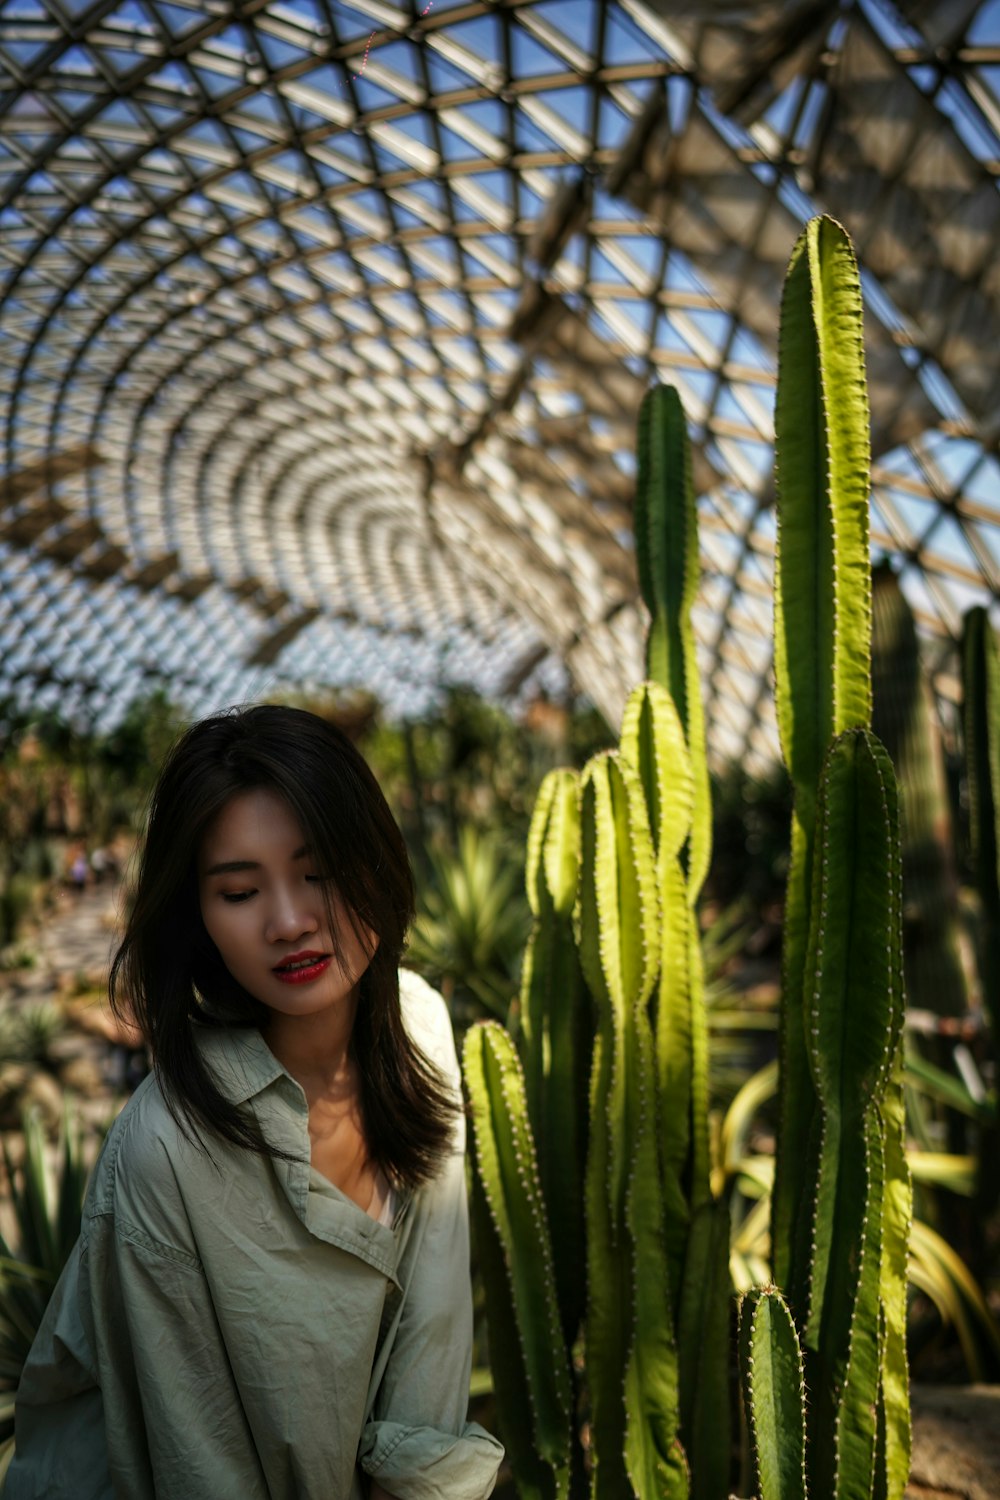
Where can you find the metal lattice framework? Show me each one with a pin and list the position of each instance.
(323, 328)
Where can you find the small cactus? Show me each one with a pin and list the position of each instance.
(773, 1383)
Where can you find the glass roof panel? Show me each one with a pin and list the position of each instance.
(324, 329)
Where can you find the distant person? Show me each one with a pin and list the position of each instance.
(270, 1296)
(78, 871)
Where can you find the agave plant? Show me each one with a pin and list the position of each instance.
(471, 926)
(46, 1202)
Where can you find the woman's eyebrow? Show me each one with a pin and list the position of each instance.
(230, 866)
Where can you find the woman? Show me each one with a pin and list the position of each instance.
(270, 1295)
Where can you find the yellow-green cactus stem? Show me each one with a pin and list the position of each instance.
(774, 1395)
(617, 927)
(855, 1009)
(557, 1032)
(666, 544)
(652, 740)
(531, 1373)
(822, 619)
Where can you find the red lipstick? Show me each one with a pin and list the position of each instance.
(304, 970)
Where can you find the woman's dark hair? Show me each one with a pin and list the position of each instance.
(169, 976)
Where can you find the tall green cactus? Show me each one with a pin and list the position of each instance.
(666, 544)
(652, 740)
(628, 1307)
(822, 621)
(981, 744)
(841, 1207)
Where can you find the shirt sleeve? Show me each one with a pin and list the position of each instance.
(60, 1452)
(418, 1444)
(175, 1427)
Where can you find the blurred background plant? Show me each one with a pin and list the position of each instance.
(45, 1192)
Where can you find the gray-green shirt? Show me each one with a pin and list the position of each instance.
(244, 1329)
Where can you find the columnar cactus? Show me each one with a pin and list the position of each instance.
(652, 740)
(822, 620)
(666, 544)
(854, 1011)
(628, 1304)
(841, 1207)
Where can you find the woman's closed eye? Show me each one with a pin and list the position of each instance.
(235, 898)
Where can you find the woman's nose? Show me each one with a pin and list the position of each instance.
(291, 916)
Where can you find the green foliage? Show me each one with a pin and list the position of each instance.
(17, 901)
(46, 1205)
(470, 926)
(27, 1032)
(657, 1242)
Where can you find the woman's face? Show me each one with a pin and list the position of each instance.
(261, 897)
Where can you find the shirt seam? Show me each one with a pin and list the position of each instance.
(136, 1236)
(391, 1447)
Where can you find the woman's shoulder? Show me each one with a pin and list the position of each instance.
(428, 1021)
(146, 1159)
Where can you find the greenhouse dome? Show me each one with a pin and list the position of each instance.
(325, 326)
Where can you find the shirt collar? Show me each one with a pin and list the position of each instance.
(239, 1059)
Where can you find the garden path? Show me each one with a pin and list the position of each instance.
(78, 936)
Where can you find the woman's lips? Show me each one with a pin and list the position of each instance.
(305, 972)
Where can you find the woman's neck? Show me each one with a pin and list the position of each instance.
(316, 1049)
